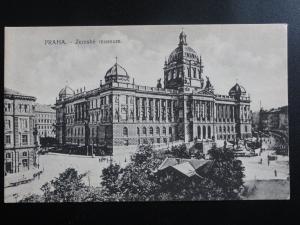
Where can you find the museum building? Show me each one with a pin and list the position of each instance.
(185, 107)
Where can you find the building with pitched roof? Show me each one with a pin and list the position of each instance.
(186, 167)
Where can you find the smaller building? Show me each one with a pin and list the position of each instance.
(190, 168)
(19, 138)
(45, 119)
(274, 119)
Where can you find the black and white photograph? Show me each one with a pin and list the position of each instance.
(146, 113)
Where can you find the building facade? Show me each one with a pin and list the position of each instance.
(276, 118)
(120, 112)
(19, 139)
(45, 118)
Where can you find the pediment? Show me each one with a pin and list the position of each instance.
(205, 92)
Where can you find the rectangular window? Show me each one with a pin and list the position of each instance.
(24, 153)
(24, 140)
(7, 139)
(7, 124)
(8, 155)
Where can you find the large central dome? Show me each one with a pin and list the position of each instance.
(183, 51)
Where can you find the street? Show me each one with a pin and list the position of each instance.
(256, 171)
(54, 164)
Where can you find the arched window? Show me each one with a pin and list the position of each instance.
(144, 130)
(224, 129)
(138, 131)
(164, 130)
(246, 128)
(228, 129)
(199, 131)
(209, 132)
(125, 131)
(170, 130)
(232, 129)
(157, 130)
(220, 129)
(151, 130)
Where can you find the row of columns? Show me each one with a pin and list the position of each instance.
(244, 112)
(156, 108)
(225, 112)
(80, 111)
(204, 110)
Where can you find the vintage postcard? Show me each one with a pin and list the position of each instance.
(146, 113)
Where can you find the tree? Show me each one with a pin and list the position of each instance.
(32, 198)
(180, 151)
(226, 173)
(68, 187)
(137, 181)
(140, 181)
(110, 176)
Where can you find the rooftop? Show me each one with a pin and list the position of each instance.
(11, 92)
(44, 108)
(188, 167)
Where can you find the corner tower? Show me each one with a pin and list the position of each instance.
(116, 74)
(183, 68)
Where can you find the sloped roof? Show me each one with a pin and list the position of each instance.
(10, 92)
(196, 163)
(44, 108)
(188, 167)
(185, 168)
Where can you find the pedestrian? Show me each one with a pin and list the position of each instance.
(275, 173)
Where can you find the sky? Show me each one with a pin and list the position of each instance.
(255, 56)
